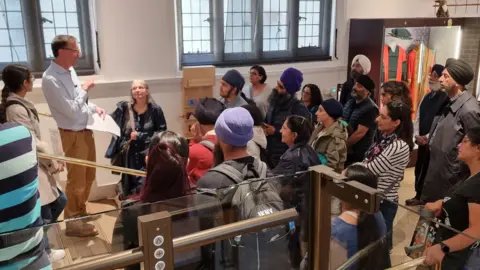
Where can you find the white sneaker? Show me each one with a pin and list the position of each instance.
(56, 255)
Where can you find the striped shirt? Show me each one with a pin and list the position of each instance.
(389, 166)
(21, 245)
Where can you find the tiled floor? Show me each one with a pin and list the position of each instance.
(80, 249)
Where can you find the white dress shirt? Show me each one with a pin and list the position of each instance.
(67, 101)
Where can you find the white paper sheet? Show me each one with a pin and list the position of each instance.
(97, 123)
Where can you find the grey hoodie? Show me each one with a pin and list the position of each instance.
(259, 140)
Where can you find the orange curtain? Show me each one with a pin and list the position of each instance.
(402, 57)
(419, 89)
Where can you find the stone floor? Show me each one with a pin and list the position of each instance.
(81, 249)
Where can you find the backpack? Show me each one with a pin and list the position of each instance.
(3, 118)
(208, 144)
(253, 197)
(249, 100)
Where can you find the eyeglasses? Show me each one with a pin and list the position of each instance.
(73, 50)
(306, 93)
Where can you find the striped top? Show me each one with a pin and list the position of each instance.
(389, 166)
(20, 201)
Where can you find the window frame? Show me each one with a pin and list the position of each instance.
(35, 43)
(292, 54)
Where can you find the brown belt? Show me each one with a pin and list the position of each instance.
(69, 130)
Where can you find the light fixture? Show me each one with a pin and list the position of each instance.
(459, 43)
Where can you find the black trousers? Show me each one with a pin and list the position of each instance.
(421, 167)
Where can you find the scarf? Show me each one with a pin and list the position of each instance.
(377, 148)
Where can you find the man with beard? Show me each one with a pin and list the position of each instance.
(448, 130)
(282, 104)
(360, 66)
(430, 106)
(231, 87)
(360, 113)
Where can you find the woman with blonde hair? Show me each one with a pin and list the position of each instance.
(139, 120)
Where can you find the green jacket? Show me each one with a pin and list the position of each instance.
(332, 143)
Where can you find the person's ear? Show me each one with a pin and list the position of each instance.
(397, 123)
(146, 160)
(295, 135)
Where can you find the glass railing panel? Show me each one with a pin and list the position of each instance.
(418, 228)
(235, 205)
(118, 231)
(262, 249)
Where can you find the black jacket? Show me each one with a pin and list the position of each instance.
(294, 192)
(278, 112)
(121, 117)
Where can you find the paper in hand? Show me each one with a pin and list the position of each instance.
(107, 124)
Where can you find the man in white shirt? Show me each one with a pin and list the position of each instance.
(68, 103)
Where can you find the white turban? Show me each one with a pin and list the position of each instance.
(364, 62)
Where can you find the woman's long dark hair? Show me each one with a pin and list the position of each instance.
(302, 126)
(169, 137)
(13, 77)
(368, 230)
(316, 97)
(399, 91)
(166, 168)
(397, 110)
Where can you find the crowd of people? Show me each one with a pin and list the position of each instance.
(253, 132)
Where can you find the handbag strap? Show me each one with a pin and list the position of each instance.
(130, 114)
(130, 121)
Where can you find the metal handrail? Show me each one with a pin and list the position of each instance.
(413, 263)
(191, 241)
(213, 235)
(91, 164)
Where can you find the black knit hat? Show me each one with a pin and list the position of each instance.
(366, 81)
(333, 108)
(255, 113)
(208, 110)
(235, 79)
(438, 69)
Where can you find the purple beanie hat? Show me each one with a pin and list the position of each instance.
(292, 80)
(234, 127)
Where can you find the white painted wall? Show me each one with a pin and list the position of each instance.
(137, 40)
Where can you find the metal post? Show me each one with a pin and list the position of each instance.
(324, 184)
(155, 236)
